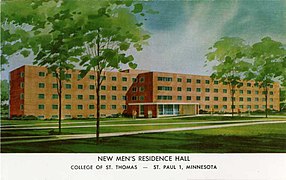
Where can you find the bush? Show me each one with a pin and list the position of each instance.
(29, 117)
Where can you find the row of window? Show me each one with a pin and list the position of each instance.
(68, 116)
(91, 77)
(207, 98)
(79, 96)
(240, 107)
(198, 81)
(79, 107)
(215, 90)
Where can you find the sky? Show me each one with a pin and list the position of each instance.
(183, 32)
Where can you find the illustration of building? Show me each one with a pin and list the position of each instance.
(149, 94)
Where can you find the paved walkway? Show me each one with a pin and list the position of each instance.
(84, 136)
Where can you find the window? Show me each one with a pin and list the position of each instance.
(141, 98)
(79, 96)
(113, 97)
(224, 83)
(179, 79)
(240, 91)
(41, 106)
(134, 80)
(79, 77)
(215, 106)
(22, 106)
(124, 107)
(248, 99)
(91, 86)
(22, 85)
(198, 98)
(42, 74)
(124, 88)
(248, 91)
(41, 96)
(263, 99)
(68, 76)
(113, 106)
(103, 88)
(198, 90)
(54, 106)
(113, 88)
(67, 116)
(55, 96)
(68, 86)
(179, 98)
(189, 80)
(233, 98)
(256, 84)
(142, 79)
(80, 106)
(189, 98)
(207, 81)
(22, 96)
(215, 98)
(91, 96)
(113, 78)
(124, 98)
(256, 99)
(256, 106)
(103, 97)
(164, 97)
(134, 98)
(80, 86)
(248, 84)
(189, 89)
(256, 92)
(215, 82)
(179, 88)
(224, 90)
(240, 98)
(55, 85)
(271, 99)
(271, 106)
(164, 79)
(41, 85)
(207, 98)
(271, 86)
(241, 106)
(22, 74)
(68, 106)
(198, 81)
(103, 77)
(124, 79)
(249, 107)
(164, 88)
(92, 77)
(79, 116)
(68, 96)
(224, 98)
(102, 106)
(55, 116)
(134, 89)
(91, 106)
(207, 89)
(207, 106)
(224, 107)
(216, 90)
(271, 92)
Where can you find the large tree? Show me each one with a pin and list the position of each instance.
(268, 64)
(110, 30)
(229, 55)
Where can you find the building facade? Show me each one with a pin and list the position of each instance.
(145, 94)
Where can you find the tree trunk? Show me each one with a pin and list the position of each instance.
(60, 105)
(97, 105)
(266, 102)
(232, 101)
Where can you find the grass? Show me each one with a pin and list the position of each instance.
(245, 139)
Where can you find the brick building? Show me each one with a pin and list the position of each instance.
(33, 92)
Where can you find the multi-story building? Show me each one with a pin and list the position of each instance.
(34, 92)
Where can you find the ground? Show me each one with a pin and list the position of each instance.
(199, 134)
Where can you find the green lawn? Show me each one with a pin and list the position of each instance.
(246, 139)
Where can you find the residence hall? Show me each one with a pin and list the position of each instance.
(33, 91)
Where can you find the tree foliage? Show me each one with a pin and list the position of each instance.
(4, 91)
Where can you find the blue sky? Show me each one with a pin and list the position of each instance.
(183, 31)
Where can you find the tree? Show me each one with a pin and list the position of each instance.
(4, 91)
(268, 64)
(229, 54)
(108, 34)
